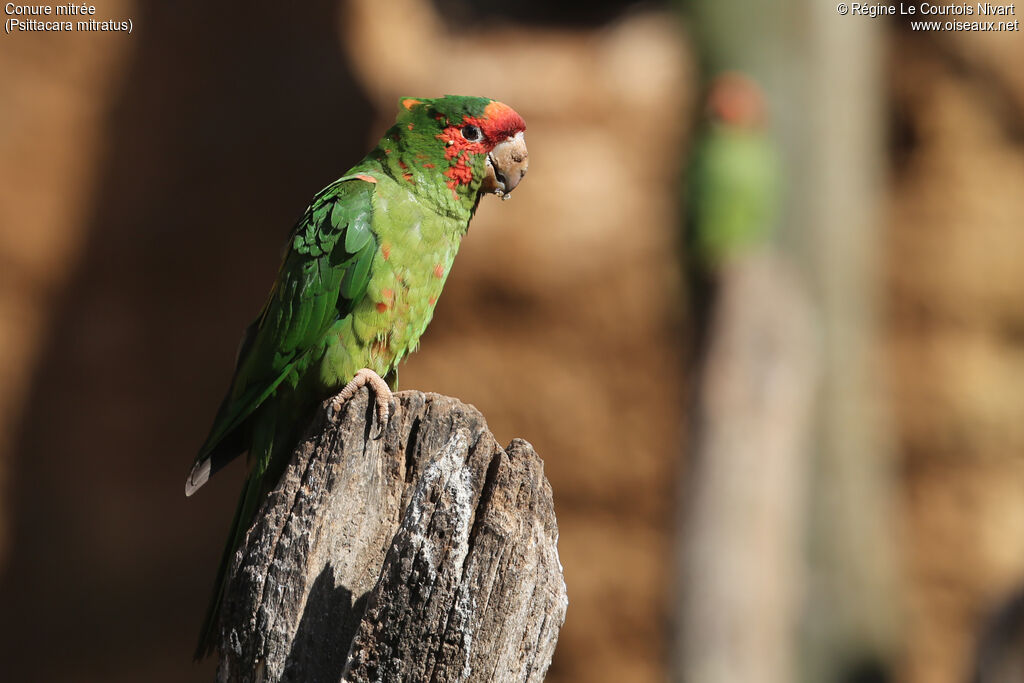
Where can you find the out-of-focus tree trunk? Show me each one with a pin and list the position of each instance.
(742, 566)
(836, 141)
(786, 571)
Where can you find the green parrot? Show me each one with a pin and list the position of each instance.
(360, 278)
(733, 190)
(734, 174)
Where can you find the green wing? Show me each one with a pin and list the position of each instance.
(324, 273)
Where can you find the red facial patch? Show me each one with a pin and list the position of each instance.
(498, 123)
(385, 250)
(455, 142)
(459, 173)
(457, 149)
(438, 271)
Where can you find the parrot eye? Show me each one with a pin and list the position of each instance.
(472, 133)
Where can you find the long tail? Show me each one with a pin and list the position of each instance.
(267, 453)
(245, 510)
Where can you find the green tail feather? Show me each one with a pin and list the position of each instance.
(258, 484)
(246, 509)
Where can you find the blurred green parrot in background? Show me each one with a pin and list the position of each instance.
(733, 181)
(732, 190)
(361, 275)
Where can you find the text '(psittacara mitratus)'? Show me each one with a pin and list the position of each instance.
(361, 275)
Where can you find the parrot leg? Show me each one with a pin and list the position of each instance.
(382, 394)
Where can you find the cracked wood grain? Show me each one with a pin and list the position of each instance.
(429, 554)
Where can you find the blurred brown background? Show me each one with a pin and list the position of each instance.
(147, 182)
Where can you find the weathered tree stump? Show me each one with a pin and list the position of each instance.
(428, 554)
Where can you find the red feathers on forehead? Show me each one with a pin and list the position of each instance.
(500, 121)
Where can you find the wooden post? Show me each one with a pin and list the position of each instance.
(742, 570)
(427, 554)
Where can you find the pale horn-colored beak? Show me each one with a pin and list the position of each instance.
(506, 165)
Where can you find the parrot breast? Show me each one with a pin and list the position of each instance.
(416, 247)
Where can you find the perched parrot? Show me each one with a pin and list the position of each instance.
(733, 189)
(734, 174)
(361, 275)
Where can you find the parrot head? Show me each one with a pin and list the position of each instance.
(736, 100)
(476, 145)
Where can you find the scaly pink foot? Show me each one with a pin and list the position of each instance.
(381, 391)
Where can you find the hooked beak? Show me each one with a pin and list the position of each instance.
(506, 166)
